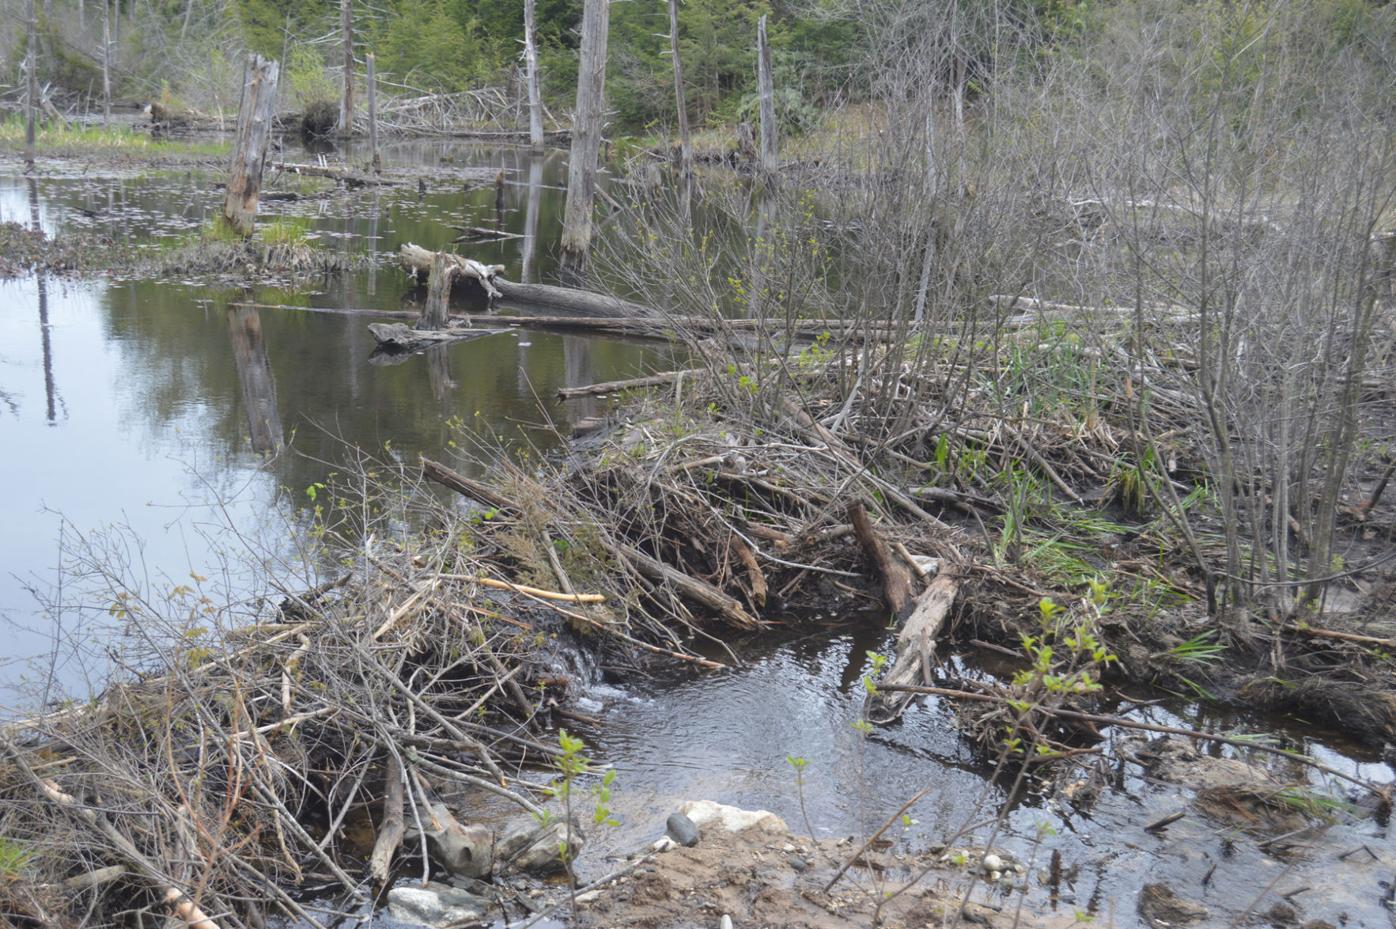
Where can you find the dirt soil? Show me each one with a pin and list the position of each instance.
(766, 876)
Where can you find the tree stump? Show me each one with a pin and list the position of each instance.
(255, 116)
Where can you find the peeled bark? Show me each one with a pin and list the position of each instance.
(255, 117)
(418, 260)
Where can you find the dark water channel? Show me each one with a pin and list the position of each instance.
(145, 417)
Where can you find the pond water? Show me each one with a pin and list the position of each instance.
(150, 417)
(156, 420)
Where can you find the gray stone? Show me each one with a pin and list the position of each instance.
(464, 850)
(436, 905)
(528, 846)
(682, 830)
(798, 863)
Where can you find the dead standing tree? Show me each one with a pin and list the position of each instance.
(31, 92)
(587, 123)
(255, 116)
(770, 158)
(346, 103)
(535, 95)
(680, 101)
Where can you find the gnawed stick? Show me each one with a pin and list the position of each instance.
(896, 579)
(524, 589)
(391, 828)
(755, 576)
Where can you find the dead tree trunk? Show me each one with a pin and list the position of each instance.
(373, 113)
(680, 100)
(346, 103)
(535, 95)
(106, 62)
(31, 90)
(255, 115)
(436, 313)
(770, 158)
(586, 133)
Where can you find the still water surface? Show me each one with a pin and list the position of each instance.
(164, 409)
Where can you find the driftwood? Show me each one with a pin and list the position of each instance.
(565, 299)
(916, 643)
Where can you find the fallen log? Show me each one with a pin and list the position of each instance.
(700, 592)
(417, 260)
(612, 387)
(916, 643)
(466, 487)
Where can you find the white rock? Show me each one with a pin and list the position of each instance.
(993, 862)
(995, 876)
(435, 905)
(589, 896)
(731, 818)
(726, 922)
(787, 847)
(664, 844)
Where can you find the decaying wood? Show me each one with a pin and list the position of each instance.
(391, 829)
(580, 302)
(915, 649)
(251, 143)
(896, 578)
(343, 175)
(587, 123)
(436, 311)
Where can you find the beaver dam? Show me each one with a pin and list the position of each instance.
(843, 543)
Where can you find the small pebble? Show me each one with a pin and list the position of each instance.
(798, 863)
(993, 862)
